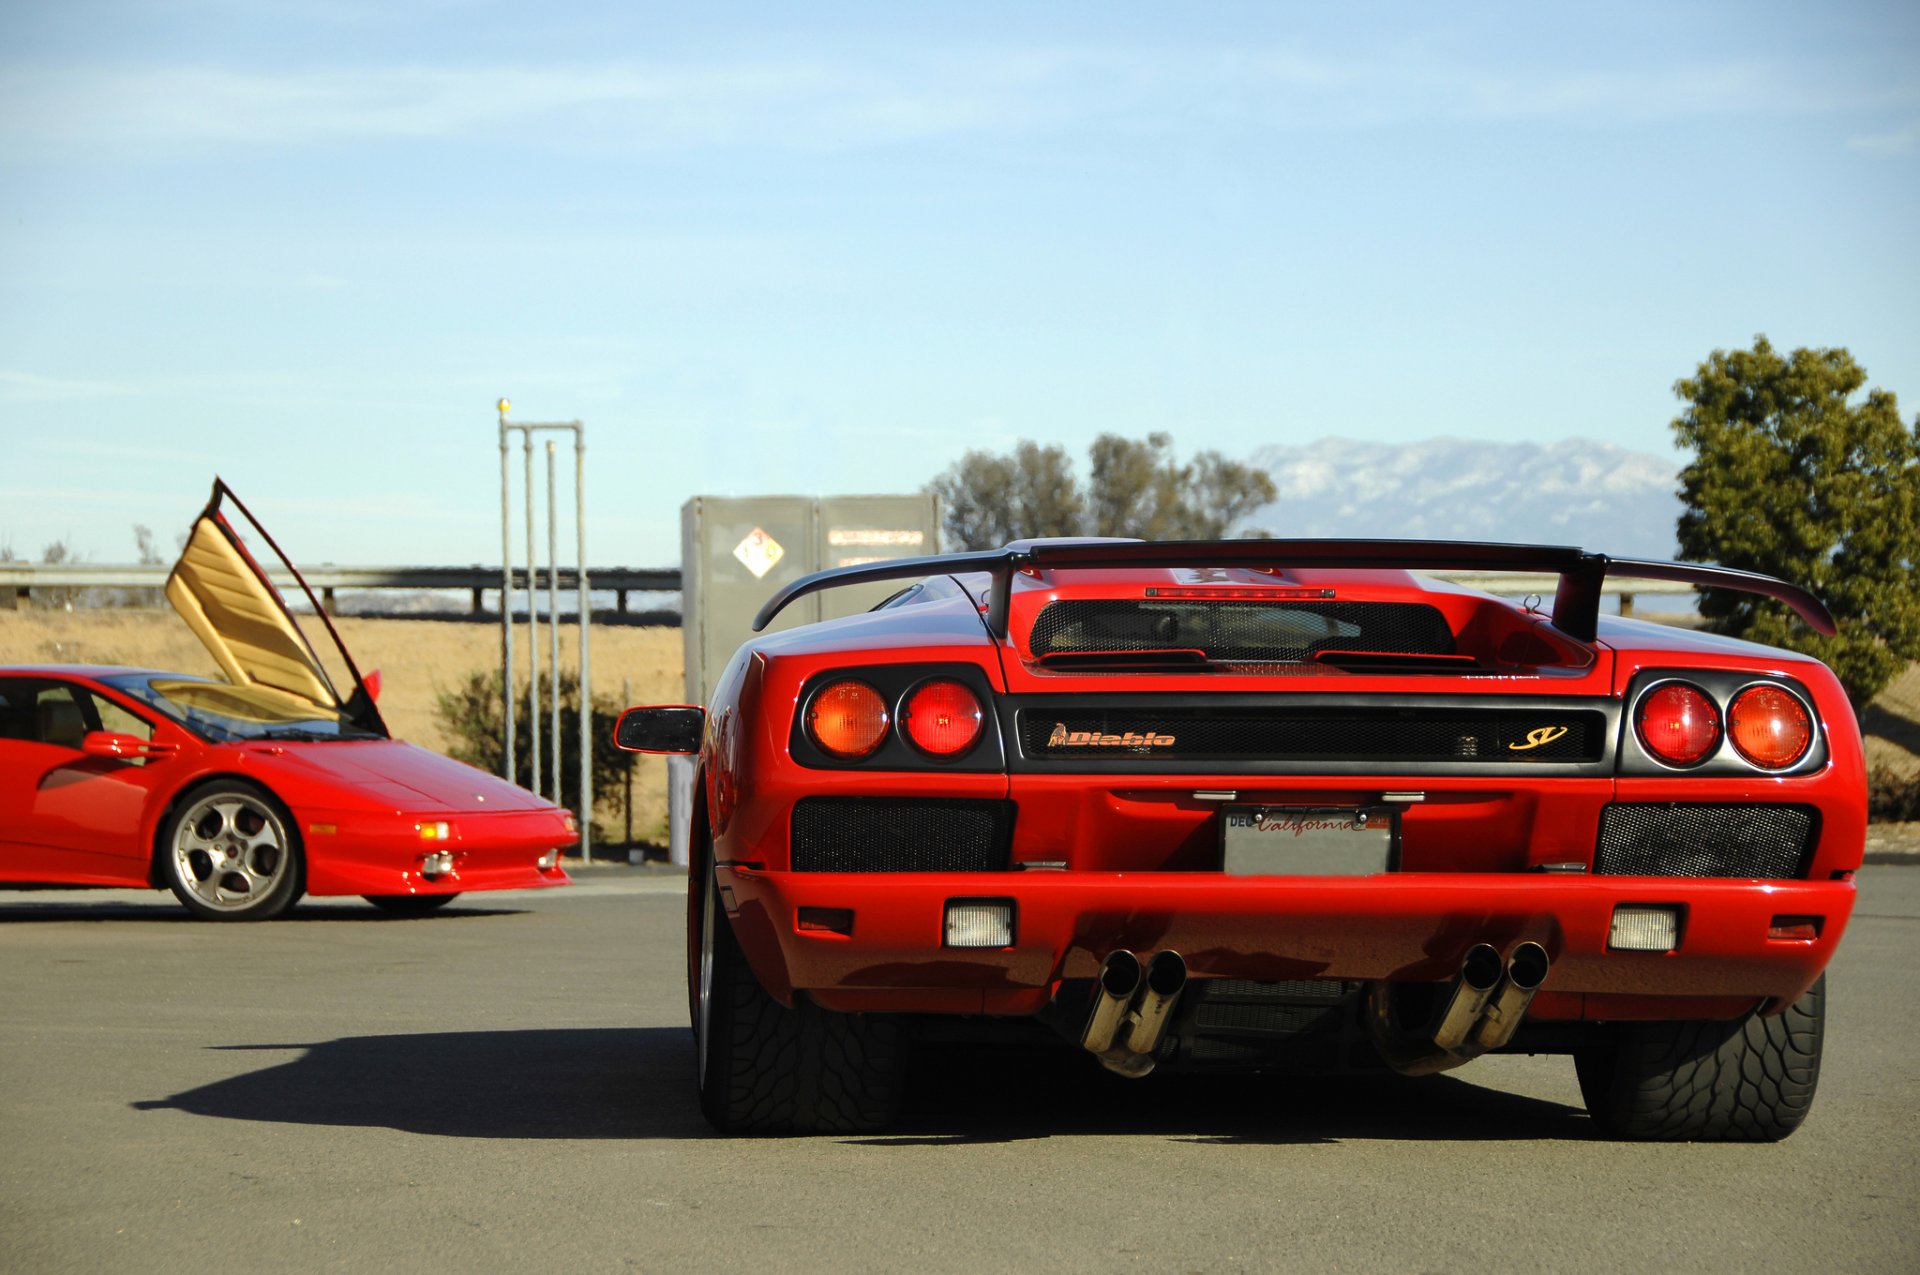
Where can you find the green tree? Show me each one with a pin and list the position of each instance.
(989, 500)
(1136, 488)
(1797, 475)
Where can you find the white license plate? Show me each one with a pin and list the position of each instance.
(1308, 841)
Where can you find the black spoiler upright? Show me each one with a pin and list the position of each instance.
(1576, 603)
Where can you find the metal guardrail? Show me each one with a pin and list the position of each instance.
(23, 577)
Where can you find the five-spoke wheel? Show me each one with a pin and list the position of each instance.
(229, 853)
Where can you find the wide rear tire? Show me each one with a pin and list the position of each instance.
(765, 1068)
(1748, 1080)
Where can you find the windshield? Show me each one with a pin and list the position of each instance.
(222, 712)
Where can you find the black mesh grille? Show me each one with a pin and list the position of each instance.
(884, 834)
(1472, 735)
(1243, 632)
(1674, 840)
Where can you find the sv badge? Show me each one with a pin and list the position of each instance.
(1540, 735)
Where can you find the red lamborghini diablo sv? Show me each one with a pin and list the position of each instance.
(1278, 805)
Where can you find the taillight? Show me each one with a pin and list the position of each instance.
(942, 718)
(1679, 724)
(847, 719)
(1769, 727)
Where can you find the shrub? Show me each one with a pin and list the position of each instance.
(472, 717)
(1892, 795)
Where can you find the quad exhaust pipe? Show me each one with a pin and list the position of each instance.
(1132, 1005)
(1483, 1009)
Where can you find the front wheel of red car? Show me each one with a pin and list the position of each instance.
(228, 852)
(1747, 1080)
(766, 1068)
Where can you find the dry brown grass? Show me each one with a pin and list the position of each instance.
(417, 660)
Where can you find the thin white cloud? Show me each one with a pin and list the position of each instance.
(635, 106)
(122, 451)
(1903, 141)
(28, 387)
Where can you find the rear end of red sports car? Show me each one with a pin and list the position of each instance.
(1277, 805)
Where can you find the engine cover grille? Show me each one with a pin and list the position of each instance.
(1662, 839)
(1239, 632)
(887, 834)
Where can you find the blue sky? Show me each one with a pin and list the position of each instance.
(829, 247)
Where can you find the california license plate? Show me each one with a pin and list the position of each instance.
(1309, 841)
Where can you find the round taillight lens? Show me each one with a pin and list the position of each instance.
(942, 717)
(1679, 724)
(1769, 727)
(847, 719)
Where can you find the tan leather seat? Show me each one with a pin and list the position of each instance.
(58, 721)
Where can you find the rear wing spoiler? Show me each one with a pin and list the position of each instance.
(1576, 603)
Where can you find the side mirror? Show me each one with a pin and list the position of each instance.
(107, 743)
(372, 682)
(661, 728)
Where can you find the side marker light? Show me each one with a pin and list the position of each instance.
(1794, 929)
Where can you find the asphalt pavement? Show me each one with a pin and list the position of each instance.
(508, 1086)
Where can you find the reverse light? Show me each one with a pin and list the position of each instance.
(1679, 724)
(1638, 928)
(979, 923)
(942, 718)
(847, 719)
(1769, 727)
(440, 831)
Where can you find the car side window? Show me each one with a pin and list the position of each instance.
(59, 718)
(16, 710)
(117, 719)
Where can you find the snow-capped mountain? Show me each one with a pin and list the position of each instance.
(1575, 492)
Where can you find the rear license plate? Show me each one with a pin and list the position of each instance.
(1309, 841)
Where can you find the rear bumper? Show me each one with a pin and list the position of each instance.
(384, 854)
(1399, 927)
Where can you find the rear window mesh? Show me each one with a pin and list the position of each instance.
(1646, 839)
(1239, 632)
(897, 834)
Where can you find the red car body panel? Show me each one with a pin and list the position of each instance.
(70, 818)
(1126, 855)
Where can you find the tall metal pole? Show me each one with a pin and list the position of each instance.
(506, 598)
(553, 622)
(586, 679)
(533, 621)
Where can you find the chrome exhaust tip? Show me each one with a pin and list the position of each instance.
(1132, 1006)
(1526, 970)
(1112, 994)
(1480, 971)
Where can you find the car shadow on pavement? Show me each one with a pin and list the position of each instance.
(585, 1083)
(972, 1096)
(638, 1083)
(24, 908)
